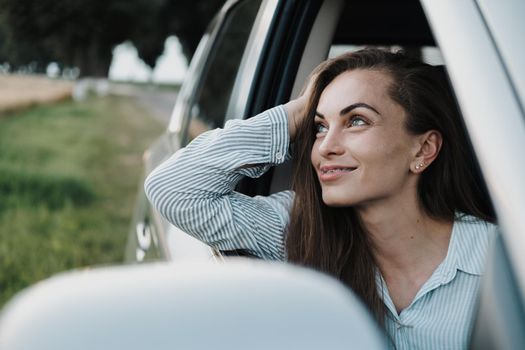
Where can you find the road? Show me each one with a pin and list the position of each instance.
(158, 101)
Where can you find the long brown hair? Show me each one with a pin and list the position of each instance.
(333, 239)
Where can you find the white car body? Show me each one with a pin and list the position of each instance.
(482, 45)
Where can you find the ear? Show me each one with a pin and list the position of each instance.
(427, 150)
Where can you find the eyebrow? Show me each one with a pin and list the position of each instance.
(347, 109)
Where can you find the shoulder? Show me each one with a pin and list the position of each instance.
(473, 238)
(475, 229)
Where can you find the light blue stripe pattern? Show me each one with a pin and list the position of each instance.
(194, 190)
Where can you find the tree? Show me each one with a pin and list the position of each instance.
(187, 19)
(83, 33)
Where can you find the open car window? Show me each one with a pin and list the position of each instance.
(405, 25)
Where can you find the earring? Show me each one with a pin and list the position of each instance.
(419, 166)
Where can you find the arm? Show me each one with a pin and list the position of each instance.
(194, 189)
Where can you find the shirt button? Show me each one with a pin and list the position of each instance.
(279, 155)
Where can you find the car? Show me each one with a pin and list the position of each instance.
(257, 54)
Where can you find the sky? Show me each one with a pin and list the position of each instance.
(170, 68)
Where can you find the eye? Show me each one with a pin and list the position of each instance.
(357, 121)
(320, 128)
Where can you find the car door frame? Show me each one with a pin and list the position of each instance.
(488, 92)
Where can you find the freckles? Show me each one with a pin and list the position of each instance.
(391, 144)
(383, 155)
(314, 154)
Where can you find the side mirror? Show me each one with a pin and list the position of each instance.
(242, 304)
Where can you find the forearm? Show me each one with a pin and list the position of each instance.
(223, 156)
(194, 189)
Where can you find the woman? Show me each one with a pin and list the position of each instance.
(386, 193)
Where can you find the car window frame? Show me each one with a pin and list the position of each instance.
(252, 56)
(170, 235)
(194, 77)
(222, 20)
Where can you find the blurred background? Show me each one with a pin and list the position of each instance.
(85, 87)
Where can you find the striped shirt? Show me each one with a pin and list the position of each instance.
(194, 190)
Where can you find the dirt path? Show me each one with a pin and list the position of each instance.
(22, 91)
(18, 92)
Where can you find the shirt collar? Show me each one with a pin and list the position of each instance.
(469, 242)
(467, 248)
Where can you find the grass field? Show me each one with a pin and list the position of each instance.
(68, 179)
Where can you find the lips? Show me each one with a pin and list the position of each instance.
(327, 169)
(333, 172)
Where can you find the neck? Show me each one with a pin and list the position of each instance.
(404, 237)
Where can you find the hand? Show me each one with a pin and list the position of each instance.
(296, 108)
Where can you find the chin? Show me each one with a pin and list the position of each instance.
(337, 201)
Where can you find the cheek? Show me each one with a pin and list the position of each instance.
(382, 151)
(367, 148)
(397, 157)
(314, 154)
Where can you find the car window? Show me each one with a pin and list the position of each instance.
(404, 25)
(208, 107)
(498, 310)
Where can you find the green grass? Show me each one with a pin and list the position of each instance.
(68, 180)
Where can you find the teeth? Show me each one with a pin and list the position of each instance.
(337, 170)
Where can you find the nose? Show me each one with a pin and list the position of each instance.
(331, 144)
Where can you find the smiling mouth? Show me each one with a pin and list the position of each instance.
(327, 175)
(337, 170)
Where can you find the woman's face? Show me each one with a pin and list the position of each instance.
(362, 152)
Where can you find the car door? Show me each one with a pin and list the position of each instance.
(201, 105)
